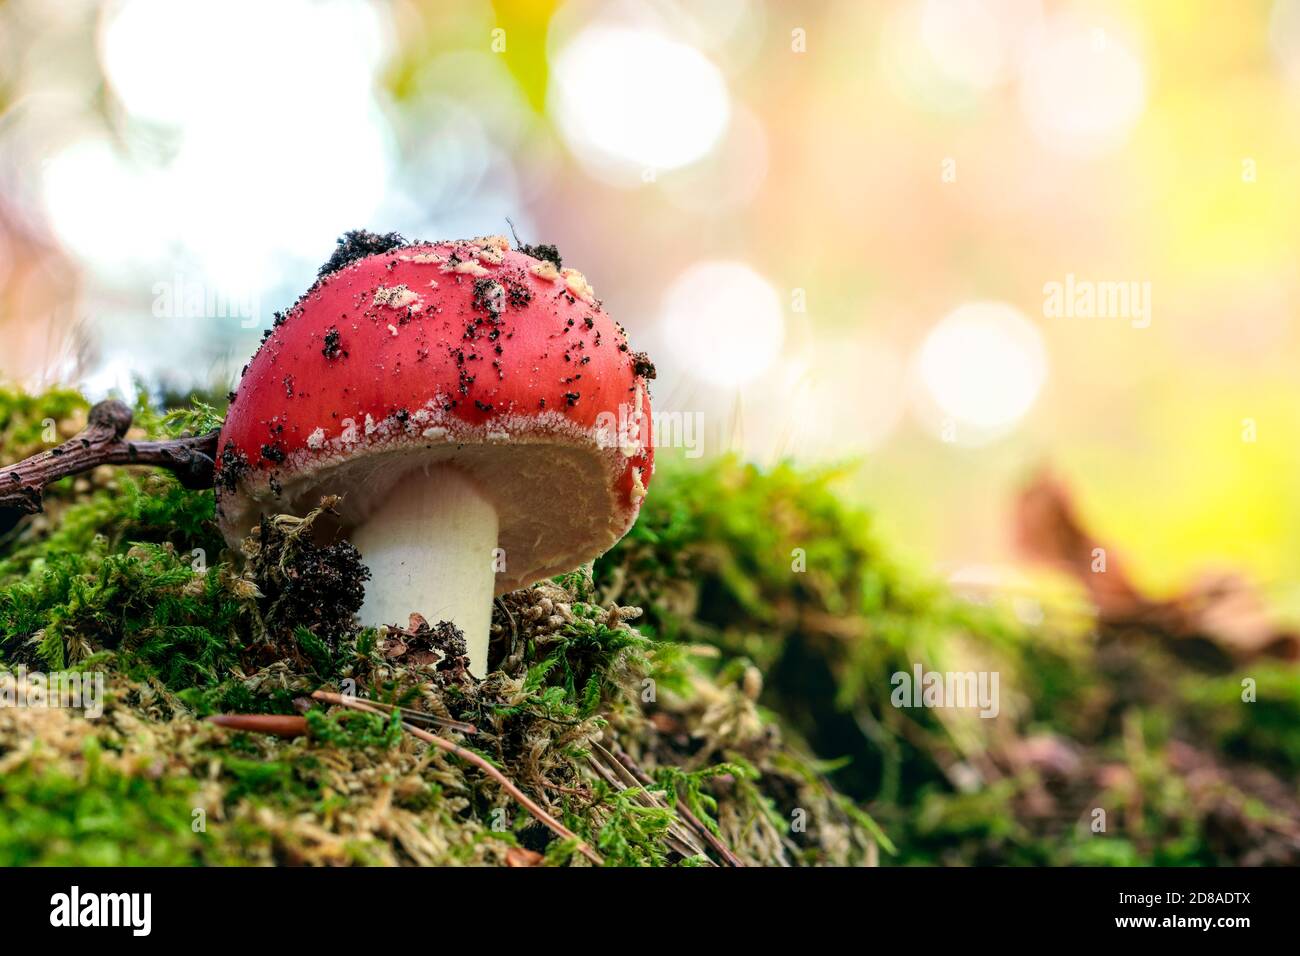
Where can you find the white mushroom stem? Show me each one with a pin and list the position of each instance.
(430, 545)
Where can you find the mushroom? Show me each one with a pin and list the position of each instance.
(483, 420)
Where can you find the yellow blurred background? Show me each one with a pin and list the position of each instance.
(846, 231)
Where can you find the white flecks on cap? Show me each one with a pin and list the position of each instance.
(395, 297)
(316, 438)
(545, 270)
(577, 284)
(468, 267)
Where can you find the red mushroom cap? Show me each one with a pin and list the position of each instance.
(462, 353)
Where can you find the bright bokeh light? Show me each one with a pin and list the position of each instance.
(723, 322)
(187, 62)
(637, 99)
(1082, 90)
(982, 367)
(975, 42)
(102, 207)
(332, 185)
(158, 80)
(115, 376)
(945, 55)
(729, 177)
(273, 121)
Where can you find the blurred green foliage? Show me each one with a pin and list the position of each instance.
(772, 566)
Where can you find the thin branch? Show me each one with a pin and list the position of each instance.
(278, 725)
(103, 442)
(506, 783)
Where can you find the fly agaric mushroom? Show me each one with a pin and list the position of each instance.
(481, 416)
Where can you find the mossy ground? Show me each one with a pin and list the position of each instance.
(736, 649)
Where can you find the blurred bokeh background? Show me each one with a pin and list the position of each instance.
(867, 204)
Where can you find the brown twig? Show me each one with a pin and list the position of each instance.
(278, 725)
(456, 750)
(103, 442)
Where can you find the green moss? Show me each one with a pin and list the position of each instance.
(103, 820)
(633, 834)
(752, 695)
(31, 423)
(351, 728)
(771, 567)
(99, 816)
